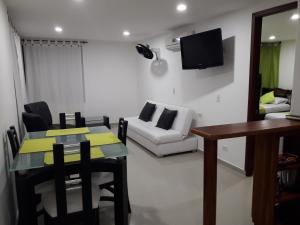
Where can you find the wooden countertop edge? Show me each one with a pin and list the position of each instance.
(219, 137)
(203, 134)
(250, 131)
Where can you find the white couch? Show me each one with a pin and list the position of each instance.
(164, 142)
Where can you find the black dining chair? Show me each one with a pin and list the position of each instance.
(62, 121)
(79, 120)
(13, 140)
(41, 108)
(14, 130)
(34, 122)
(39, 189)
(82, 122)
(122, 130)
(106, 177)
(106, 122)
(69, 205)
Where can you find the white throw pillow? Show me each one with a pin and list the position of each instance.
(280, 100)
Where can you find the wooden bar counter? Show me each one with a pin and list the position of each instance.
(267, 134)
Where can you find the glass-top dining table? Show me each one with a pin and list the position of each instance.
(113, 160)
(36, 160)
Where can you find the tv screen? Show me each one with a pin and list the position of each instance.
(203, 50)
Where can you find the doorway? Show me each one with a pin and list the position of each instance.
(255, 77)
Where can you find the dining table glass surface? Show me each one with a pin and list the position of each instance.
(36, 160)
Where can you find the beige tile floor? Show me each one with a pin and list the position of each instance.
(169, 191)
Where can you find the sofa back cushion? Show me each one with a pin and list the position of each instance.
(147, 112)
(183, 120)
(166, 119)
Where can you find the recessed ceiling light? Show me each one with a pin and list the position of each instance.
(272, 37)
(58, 29)
(126, 33)
(181, 7)
(295, 16)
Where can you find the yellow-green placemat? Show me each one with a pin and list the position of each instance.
(63, 132)
(102, 139)
(96, 153)
(37, 145)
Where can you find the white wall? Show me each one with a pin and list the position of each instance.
(8, 116)
(286, 64)
(219, 95)
(110, 79)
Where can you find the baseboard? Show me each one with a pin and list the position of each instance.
(228, 164)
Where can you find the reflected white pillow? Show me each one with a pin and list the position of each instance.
(280, 100)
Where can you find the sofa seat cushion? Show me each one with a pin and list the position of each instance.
(154, 134)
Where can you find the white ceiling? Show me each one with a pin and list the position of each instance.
(281, 26)
(106, 19)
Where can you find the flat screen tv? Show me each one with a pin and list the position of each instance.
(202, 50)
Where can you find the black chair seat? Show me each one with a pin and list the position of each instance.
(34, 122)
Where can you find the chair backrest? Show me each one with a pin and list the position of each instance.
(13, 128)
(79, 121)
(106, 122)
(82, 122)
(122, 130)
(14, 142)
(60, 185)
(62, 121)
(40, 108)
(34, 122)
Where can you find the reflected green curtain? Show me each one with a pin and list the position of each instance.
(269, 64)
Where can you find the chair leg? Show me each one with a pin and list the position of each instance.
(96, 217)
(47, 219)
(129, 207)
(111, 198)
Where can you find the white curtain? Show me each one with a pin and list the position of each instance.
(18, 75)
(54, 73)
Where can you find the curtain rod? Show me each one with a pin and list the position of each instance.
(51, 41)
